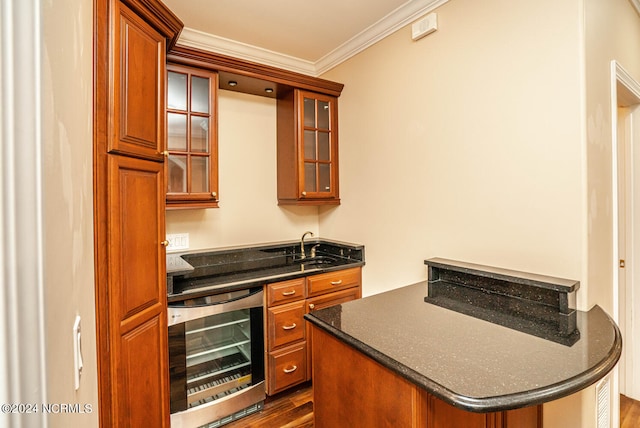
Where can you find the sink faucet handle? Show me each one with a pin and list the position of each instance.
(313, 250)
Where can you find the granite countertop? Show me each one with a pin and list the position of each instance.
(473, 364)
(195, 274)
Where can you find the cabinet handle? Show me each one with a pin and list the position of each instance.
(291, 370)
(165, 243)
(289, 327)
(289, 293)
(311, 306)
(336, 282)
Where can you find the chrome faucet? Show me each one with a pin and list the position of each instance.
(302, 253)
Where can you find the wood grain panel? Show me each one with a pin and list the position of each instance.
(138, 87)
(351, 390)
(288, 366)
(285, 291)
(142, 399)
(285, 324)
(135, 229)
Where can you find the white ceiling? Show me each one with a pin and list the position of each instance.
(304, 36)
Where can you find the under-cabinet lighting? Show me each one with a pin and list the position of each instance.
(233, 83)
(268, 90)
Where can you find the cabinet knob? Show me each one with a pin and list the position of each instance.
(165, 243)
(214, 194)
(311, 306)
(165, 153)
(304, 194)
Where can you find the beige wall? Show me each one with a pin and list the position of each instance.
(249, 211)
(465, 144)
(487, 141)
(68, 204)
(468, 144)
(612, 32)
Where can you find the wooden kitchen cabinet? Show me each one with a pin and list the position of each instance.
(350, 389)
(137, 87)
(192, 143)
(288, 351)
(307, 148)
(130, 43)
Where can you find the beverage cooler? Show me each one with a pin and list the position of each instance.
(216, 358)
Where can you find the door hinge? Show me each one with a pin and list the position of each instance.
(621, 263)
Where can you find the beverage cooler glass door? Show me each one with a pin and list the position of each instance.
(216, 356)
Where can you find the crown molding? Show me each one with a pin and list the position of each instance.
(636, 5)
(395, 20)
(220, 45)
(388, 25)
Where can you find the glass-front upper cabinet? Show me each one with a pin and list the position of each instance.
(313, 178)
(192, 149)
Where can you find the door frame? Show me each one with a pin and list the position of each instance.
(625, 92)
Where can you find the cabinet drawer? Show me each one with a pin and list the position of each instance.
(287, 367)
(285, 291)
(332, 281)
(285, 324)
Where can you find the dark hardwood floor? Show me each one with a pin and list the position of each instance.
(629, 412)
(285, 410)
(294, 409)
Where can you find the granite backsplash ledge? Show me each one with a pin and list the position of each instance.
(540, 305)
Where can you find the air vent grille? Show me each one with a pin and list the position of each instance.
(603, 409)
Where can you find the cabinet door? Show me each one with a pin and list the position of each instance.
(137, 293)
(138, 87)
(325, 301)
(192, 149)
(307, 148)
(317, 146)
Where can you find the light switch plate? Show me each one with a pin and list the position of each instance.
(77, 352)
(178, 241)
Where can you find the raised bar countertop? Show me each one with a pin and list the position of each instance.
(471, 363)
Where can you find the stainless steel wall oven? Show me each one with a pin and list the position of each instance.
(216, 358)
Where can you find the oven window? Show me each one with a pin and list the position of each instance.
(218, 356)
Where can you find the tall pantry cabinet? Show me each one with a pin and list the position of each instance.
(130, 42)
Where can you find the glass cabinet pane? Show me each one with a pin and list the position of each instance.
(177, 131)
(323, 115)
(310, 145)
(199, 94)
(324, 177)
(324, 148)
(200, 174)
(310, 177)
(177, 91)
(177, 176)
(310, 112)
(199, 134)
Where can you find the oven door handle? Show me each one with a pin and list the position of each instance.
(176, 315)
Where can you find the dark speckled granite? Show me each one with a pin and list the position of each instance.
(471, 363)
(196, 274)
(536, 304)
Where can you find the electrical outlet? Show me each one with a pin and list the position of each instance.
(178, 241)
